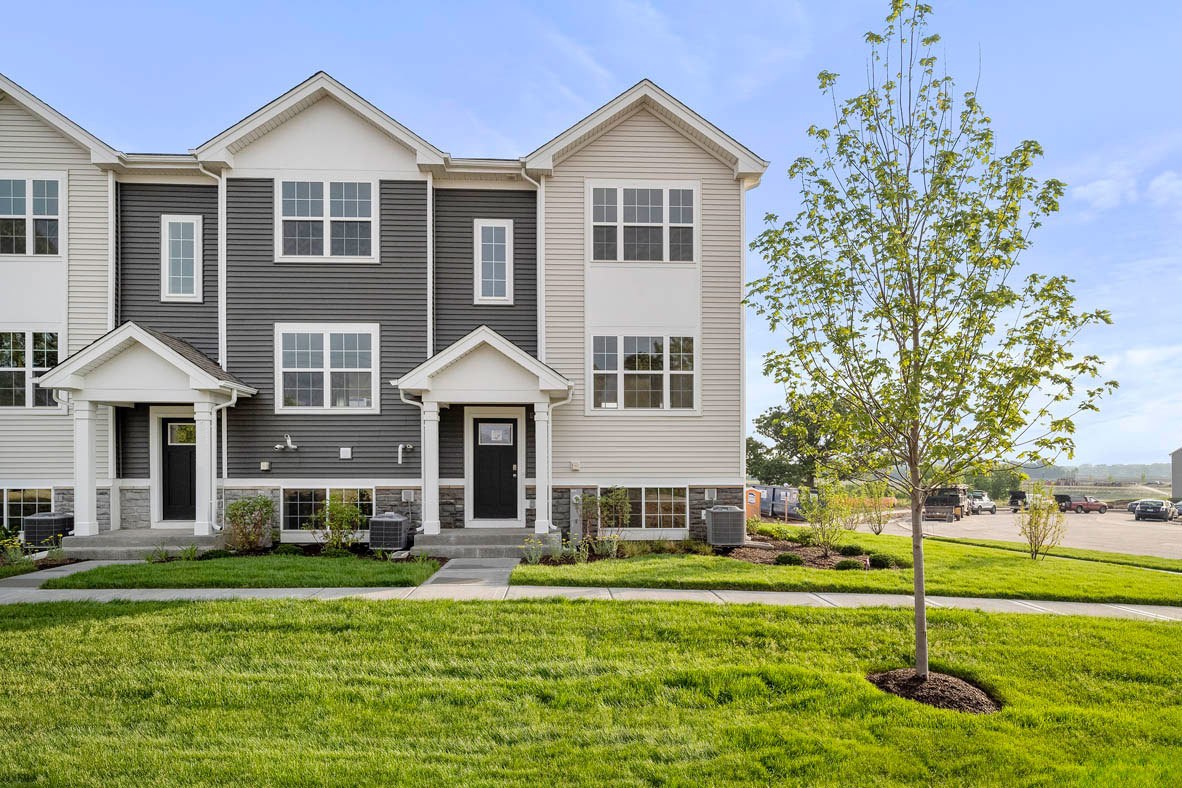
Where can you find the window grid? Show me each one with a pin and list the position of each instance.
(19, 504)
(347, 225)
(29, 216)
(341, 379)
(630, 224)
(492, 261)
(180, 239)
(655, 372)
(656, 507)
(24, 355)
(301, 505)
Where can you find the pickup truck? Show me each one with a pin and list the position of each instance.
(1080, 504)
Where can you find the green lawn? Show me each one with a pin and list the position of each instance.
(269, 571)
(9, 570)
(952, 570)
(285, 693)
(1147, 561)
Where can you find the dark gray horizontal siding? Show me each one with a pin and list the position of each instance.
(451, 441)
(263, 292)
(455, 314)
(132, 446)
(140, 207)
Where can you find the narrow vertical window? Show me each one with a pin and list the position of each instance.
(605, 364)
(492, 261)
(180, 258)
(12, 369)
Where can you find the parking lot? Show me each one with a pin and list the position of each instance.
(1115, 531)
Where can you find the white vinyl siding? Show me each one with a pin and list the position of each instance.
(36, 446)
(643, 148)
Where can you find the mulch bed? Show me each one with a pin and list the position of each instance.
(939, 690)
(812, 556)
(51, 563)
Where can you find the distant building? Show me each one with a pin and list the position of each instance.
(1176, 472)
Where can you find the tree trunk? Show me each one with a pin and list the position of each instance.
(921, 611)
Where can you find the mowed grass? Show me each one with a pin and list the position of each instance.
(267, 571)
(356, 693)
(10, 570)
(1147, 561)
(951, 570)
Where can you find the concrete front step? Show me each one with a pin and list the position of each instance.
(478, 542)
(468, 551)
(134, 544)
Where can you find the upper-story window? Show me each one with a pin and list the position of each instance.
(180, 258)
(651, 372)
(23, 356)
(343, 229)
(643, 222)
(323, 368)
(30, 214)
(492, 261)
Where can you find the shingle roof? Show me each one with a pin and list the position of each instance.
(194, 355)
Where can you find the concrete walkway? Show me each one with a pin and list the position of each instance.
(488, 579)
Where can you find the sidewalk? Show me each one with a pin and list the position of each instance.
(488, 580)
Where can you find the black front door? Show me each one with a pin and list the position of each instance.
(178, 467)
(494, 468)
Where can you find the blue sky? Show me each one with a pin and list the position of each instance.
(1096, 84)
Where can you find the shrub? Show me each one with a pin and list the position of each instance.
(581, 550)
(606, 546)
(11, 552)
(849, 563)
(789, 559)
(157, 555)
(631, 549)
(289, 549)
(1042, 525)
(665, 546)
(187, 553)
(754, 524)
(881, 561)
(901, 561)
(211, 554)
(698, 547)
(248, 522)
(335, 552)
(531, 550)
(803, 537)
(337, 524)
(851, 549)
(607, 513)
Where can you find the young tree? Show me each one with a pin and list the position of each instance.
(898, 280)
(825, 509)
(878, 510)
(1042, 525)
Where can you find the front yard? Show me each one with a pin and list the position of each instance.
(583, 694)
(952, 570)
(261, 571)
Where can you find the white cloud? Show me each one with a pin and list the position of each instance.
(1107, 193)
(1166, 190)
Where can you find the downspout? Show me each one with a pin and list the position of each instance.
(213, 488)
(221, 181)
(539, 260)
(422, 482)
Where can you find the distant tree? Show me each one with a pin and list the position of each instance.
(898, 281)
(801, 439)
(765, 465)
(996, 481)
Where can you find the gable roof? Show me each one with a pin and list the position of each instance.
(419, 378)
(220, 149)
(100, 152)
(176, 351)
(648, 95)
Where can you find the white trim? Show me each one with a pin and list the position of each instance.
(100, 152)
(430, 266)
(111, 262)
(196, 220)
(328, 488)
(155, 463)
(418, 380)
(665, 410)
(30, 371)
(653, 533)
(518, 414)
(478, 296)
(7, 488)
(375, 332)
(61, 217)
(326, 218)
(541, 267)
(742, 334)
(223, 341)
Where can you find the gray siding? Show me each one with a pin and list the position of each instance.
(262, 292)
(132, 457)
(451, 442)
(140, 207)
(455, 314)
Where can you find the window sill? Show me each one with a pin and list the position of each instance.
(647, 263)
(641, 534)
(634, 412)
(329, 411)
(322, 259)
(492, 302)
(49, 411)
(182, 299)
(46, 258)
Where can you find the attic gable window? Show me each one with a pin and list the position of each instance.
(345, 231)
(643, 222)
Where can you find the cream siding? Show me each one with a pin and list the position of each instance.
(658, 447)
(37, 447)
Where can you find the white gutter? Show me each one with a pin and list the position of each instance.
(540, 260)
(221, 179)
(430, 267)
(213, 466)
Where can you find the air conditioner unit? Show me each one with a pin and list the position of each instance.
(726, 526)
(389, 531)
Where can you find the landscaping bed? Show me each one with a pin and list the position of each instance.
(283, 693)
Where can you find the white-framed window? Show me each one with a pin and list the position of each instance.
(180, 258)
(643, 372)
(656, 507)
(327, 367)
(326, 219)
(32, 207)
(301, 505)
(492, 261)
(19, 504)
(23, 356)
(643, 222)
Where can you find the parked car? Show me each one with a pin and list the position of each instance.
(1080, 504)
(981, 502)
(1155, 509)
(1134, 504)
(1017, 500)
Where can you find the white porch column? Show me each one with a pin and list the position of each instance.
(85, 517)
(430, 467)
(542, 468)
(203, 416)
